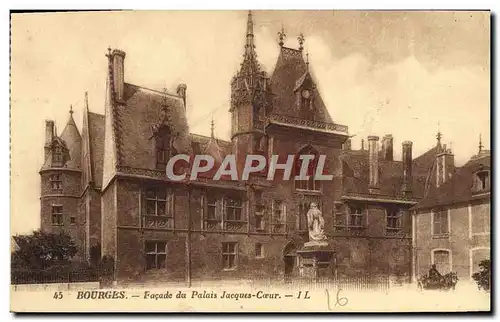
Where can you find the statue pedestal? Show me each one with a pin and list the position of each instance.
(316, 260)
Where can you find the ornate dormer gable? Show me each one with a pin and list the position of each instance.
(304, 90)
(164, 138)
(59, 153)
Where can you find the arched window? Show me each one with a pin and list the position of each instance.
(163, 148)
(309, 184)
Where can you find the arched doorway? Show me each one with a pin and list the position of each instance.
(289, 259)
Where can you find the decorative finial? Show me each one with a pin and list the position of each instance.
(86, 99)
(307, 59)
(480, 143)
(439, 135)
(301, 40)
(362, 144)
(212, 127)
(109, 51)
(282, 36)
(71, 110)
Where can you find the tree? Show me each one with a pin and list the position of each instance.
(40, 250)
(483, 277)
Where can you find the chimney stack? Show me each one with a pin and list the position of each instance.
(373, 160)
(387, 149)
(181, 91)
(49, 136)
(407, 168)
(445, 161)
(117, 61)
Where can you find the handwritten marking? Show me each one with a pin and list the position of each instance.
(341, 301)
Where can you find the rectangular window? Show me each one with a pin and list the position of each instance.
(57, 157)
(440, 223)
(442, 261)
(159, 202)
(394, 217)
(57, 215)
(55, 181)
(259, 250)
(278, 211)
(162, 149)
(229, 255)
(211, 207)
(234, 209)
(259, 222)
(73, 220)
(356, 217)
(156, 254)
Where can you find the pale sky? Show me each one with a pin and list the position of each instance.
(378, 73)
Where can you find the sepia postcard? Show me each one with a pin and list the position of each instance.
(250, 161)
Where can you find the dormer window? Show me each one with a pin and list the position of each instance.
(482, 179)
(306, 106)
(57, 155)
(162, 149)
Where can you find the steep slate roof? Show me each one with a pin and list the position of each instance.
(96, 137)
(459, 187)
(71, 136)
(289, 73)
(133, 124)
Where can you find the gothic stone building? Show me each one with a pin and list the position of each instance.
(107, 187)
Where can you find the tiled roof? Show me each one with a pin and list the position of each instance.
(96, 137)
(459, 188)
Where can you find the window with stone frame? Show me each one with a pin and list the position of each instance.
(260, 212)
(233, 209)
(57, 155)
(440, 225)
(55, 181)
(229, 255)
(57, 215)
(159, 202)
(307, 184)
(394, 218)
(356, 217)
(156, 254)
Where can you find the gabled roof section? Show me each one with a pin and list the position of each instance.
(459, 188)
(96, 140)
(289, 74)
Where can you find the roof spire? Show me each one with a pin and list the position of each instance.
(282, 36)
(301, 40)
(249, 47)
(86, 100)
(480, 143)
(212, 127)
(439, 136)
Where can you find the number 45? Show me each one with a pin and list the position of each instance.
(58, 295)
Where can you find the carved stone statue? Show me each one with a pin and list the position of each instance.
(316, 224)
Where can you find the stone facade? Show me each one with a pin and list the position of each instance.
(158, 229)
